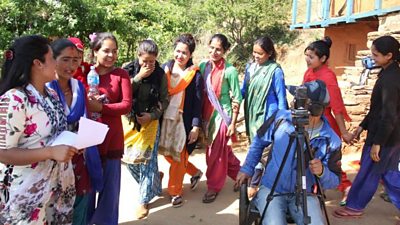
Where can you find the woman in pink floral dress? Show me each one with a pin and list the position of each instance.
(36, 179)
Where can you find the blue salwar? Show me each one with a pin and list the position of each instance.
(147, 176)
(106, 212)
(367, 180)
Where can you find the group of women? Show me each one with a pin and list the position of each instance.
(150, 109)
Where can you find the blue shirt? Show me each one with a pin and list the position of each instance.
(276, 96)
(325, 144)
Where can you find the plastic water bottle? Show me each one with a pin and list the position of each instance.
(93, 81)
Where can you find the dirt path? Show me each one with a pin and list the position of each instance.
(224, 211)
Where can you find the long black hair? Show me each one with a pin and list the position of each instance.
(147, 46)
(60, 44)
(386, 45)
(321, 47)
(16, 71)
(96, 41)
(267, 45)
(186, 39)
(99, 38)
(223, 39)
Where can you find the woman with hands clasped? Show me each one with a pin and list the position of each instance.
(37, 184)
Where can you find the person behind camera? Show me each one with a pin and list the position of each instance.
(325, 145)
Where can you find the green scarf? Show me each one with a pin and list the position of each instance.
(258, 83)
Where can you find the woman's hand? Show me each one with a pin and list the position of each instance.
(241, 178)
(193, 135)
(348, 137)
(94, 105)
(357, 133)
(375, 149)
(145, 70)
(62, 153)
(144, 118)
(231, 130)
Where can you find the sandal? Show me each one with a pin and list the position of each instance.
(177, 201)
(210, 197)
(344, 197)
(194, 181)
(385, 197)
(345, 212)
(142, 211)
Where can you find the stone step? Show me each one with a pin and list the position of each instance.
(363, 53)
(356, 110)
(375, 34)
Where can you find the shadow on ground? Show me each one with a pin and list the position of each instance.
(194, 211)
(225, 210)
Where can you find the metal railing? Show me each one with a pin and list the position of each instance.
(325, 19)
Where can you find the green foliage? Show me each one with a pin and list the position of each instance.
(244, 21)
(134, 20)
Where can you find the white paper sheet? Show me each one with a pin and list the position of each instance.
(90, 133)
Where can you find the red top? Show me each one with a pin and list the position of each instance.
(81, 73)
(336, 104)
(116, 86)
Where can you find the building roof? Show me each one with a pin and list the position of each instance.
(329, 12)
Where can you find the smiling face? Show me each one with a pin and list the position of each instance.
(312, 60)
(260, 56)
(67, 63)
(182, 54)
(216, 50)
(379, 58)
(108, 53)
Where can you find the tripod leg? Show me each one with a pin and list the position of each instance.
(301, 175)
(271, 194)
(320, 191)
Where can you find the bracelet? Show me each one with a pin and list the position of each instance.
(323, 170)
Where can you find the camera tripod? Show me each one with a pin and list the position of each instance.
(301, 138)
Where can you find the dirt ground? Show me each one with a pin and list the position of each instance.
(225, 210)
(226, 207)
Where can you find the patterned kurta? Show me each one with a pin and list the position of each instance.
(44, 192)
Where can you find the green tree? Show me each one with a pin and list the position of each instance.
(243, 21)
(134, 20)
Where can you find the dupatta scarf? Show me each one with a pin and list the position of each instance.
(74, 113)
(258, 82)
(173, 135)
(214, 75)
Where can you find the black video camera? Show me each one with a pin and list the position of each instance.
(300, 112)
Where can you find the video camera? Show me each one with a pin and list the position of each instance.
(300, 112)
(368, 63)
